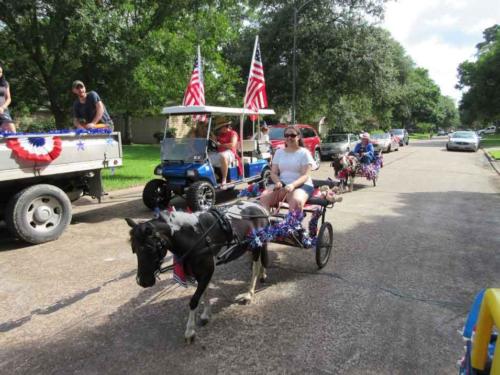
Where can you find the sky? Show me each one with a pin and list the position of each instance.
(440, 34)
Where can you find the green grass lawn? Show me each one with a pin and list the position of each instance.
(139, 162)
(490, 140)
(419, 136)
(495, 154)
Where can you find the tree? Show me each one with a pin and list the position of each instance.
(481, 102)
(130, 50)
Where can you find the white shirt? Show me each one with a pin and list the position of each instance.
(290, 164)
(261, 137)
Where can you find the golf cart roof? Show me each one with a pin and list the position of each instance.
(211, 110)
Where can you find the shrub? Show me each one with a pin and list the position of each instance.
(30, 124)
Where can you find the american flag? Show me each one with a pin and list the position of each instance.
(195, 91)
(256, 97)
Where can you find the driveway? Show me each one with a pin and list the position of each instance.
(409, 256)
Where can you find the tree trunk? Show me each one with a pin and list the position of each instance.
(127, 131)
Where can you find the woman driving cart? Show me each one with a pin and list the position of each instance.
(291, 174)
(364, 150)
(226, 142)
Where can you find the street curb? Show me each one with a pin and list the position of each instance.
(492, 161)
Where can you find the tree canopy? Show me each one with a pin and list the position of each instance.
(481, 78)
(138, 55)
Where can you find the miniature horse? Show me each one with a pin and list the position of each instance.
(345, 169)
(195, 239)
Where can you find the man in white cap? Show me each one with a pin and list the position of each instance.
(364, 149)
(263, 138)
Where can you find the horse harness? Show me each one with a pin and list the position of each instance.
(225, 224)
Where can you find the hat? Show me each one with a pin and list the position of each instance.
(221, 122)
(365, 136)
(77, 83)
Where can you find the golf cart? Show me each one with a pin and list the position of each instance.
(186, 169)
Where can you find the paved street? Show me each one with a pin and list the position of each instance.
(409, 256)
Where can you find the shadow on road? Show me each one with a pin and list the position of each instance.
(107, 210)
(390, 301)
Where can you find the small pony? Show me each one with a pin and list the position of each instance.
(195, 239)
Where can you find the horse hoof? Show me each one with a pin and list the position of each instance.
(203, 321)
(244, 299)
(189, 340)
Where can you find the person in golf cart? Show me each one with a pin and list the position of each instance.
(226, 142)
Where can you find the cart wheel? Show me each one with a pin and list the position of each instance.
(266, 177)
(324, 244)
(201, 196)
(156, 194)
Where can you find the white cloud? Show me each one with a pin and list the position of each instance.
(440, 34)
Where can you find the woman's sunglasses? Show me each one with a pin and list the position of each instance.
(290, 135)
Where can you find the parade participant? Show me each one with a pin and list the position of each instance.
(6, 122)
(364, 150)
(263, 135)
(290, 173)
(226, 142)
(88, 110)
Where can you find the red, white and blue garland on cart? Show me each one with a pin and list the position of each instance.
(37, 149)
(290, 227)
(43, 147)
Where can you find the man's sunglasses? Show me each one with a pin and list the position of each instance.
(291, 135)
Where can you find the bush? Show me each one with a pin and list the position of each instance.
(170, 133)
(29, 124)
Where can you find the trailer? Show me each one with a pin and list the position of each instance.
(41, 174)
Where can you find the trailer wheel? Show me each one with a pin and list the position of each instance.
(156, 194)
(38, 214)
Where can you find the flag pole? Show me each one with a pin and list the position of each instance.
(245, 100)
(249, 72)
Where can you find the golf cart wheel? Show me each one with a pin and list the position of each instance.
(324, 244)
(266, 177)
(38, 214)
(156, 194)
(201, 196)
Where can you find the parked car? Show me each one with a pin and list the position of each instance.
(489, 130)
(463, 140)
(336, 144)
(311, 139)
(441, 132)
(385, 142)
(403, 136)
